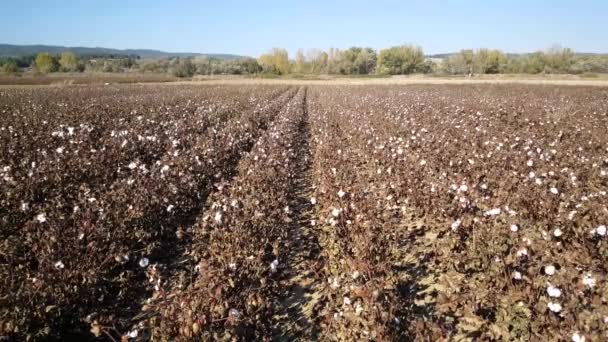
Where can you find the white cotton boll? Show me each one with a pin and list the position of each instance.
(132, 165)
(555, 307)
(531, 174)
(514, 228)
(133, 333)
(273, 265)
(557, 232)
(335, 212)
(59, 150)
(59, 265)
(234, 313)
(601, 230)
(313, 201)
(588, 280)
(538, 181)
(24, 206)
(422, 162)
(355, 275)
(522, 252)
(80, 236)
(399, 151)
(456, 224)
(493, 212)
(553, 291)
(576, 337)
(170, 208)
(530, 163)
(232, 266)
(550, 270)
(463, 188)
(517, 275)
(144, 262)
(41, 218)
(164, 169)
(70, 130)
(554, 191)
(347, 301)
(218, 217)
(341, 193)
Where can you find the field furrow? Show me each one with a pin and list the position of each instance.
(300, 281)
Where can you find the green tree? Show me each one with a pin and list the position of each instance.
(365, 62)
(249, 65)
(489, 61)
(398, 60)
(346, 61)
(333, 61)
(68, 62)
(183, 67)
(464, 62)
(301, 65)
(594, 64)
(10, 67)
(46, 63)
(276, 61)
(558, 59)
(533, 63)
(318, 60)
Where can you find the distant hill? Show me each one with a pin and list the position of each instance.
(7, 50)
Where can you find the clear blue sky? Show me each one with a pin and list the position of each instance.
(252, 27)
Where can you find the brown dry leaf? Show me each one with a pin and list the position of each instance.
(96, 329)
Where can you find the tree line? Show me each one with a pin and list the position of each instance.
(409, 59)
(67, 62)
(397, 60)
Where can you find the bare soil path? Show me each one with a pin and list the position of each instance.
(297, 305)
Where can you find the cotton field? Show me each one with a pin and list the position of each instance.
(185, 212)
